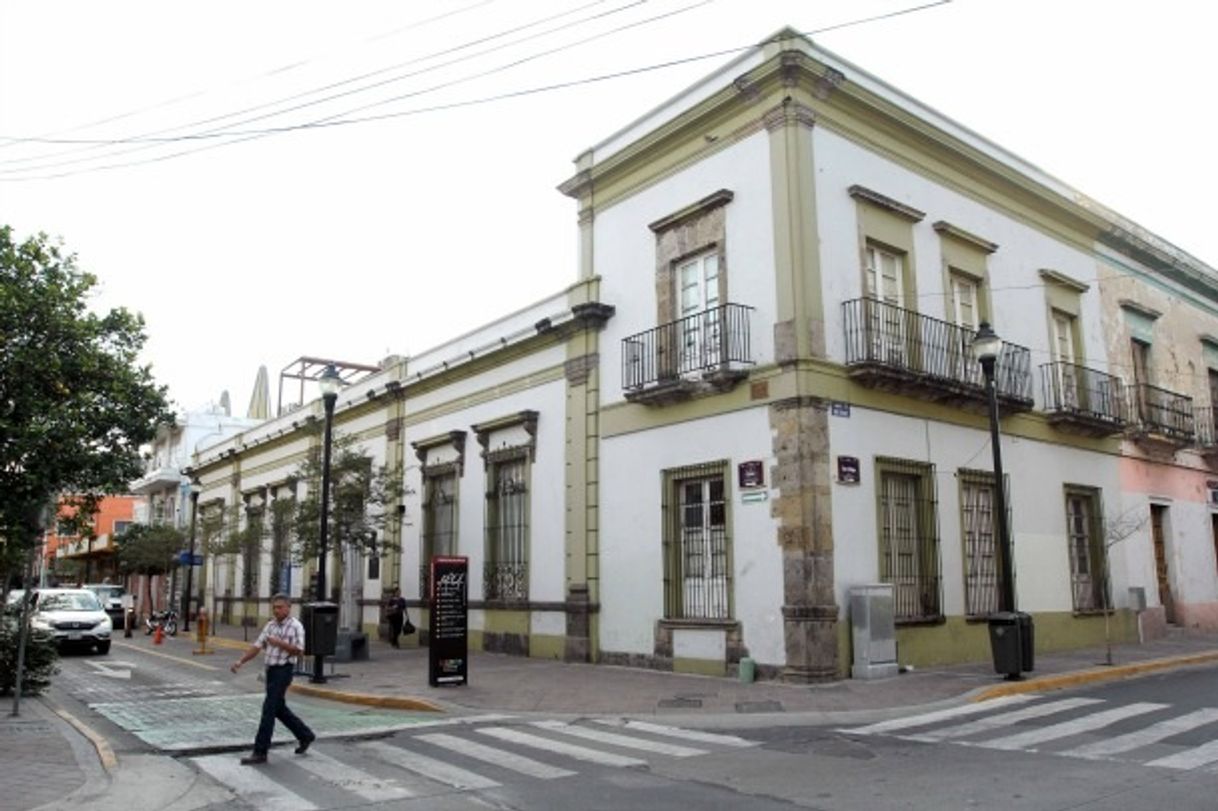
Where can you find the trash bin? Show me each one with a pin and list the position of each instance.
(1006, 643)
(1026, 638)
(320, 621)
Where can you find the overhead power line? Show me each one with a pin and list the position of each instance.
(227, 137)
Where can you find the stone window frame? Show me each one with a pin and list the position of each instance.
(888, 225)
(699, 228)
(672, 479)
(965, 254)
(1096, 551)
(929, 541)
(430, 472)
(492, 458)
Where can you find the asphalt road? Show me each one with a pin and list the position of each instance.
(1150, 743)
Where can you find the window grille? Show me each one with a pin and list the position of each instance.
(909, 537)
(506, 574)
(1085, 536)
(439, 518)
(979, 534)
(697, 542)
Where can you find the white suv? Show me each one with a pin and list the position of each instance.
(73, 616)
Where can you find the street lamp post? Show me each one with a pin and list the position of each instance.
(986, 347)
(329, 383)
(190, 564)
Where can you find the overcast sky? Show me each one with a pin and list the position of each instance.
(393, 234)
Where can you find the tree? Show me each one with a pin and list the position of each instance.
(1116, 530)
(74, 405)
(149, 550)
(363, 503)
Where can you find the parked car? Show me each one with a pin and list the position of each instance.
(111, 598)
(73, 617)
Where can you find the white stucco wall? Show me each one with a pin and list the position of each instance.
(625, 250)
(631, 537)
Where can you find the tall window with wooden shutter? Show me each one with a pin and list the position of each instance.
(697, 543)
(1088, 555)
(909, 538)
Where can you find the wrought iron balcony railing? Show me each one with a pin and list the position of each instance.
(1163, 412)
(934, 353)
(714, 340)
(1205, 418)
(1077, 393)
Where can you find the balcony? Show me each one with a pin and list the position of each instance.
(1163, 419)
(703, 353)
(1084, 401)
(894, 349)
(1205, 418)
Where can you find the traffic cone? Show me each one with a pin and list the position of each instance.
(158, 635)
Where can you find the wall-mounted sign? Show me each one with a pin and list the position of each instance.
(448, 631)
(840, 409)
(751, 473)
(848, 470)
(754, 496)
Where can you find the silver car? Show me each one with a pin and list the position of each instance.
(73, 616)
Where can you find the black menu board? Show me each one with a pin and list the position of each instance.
(448, 626)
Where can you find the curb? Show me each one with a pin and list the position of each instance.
(105, 754)
(1092, 676)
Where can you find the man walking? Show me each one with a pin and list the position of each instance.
(395, 612)
(283, 639)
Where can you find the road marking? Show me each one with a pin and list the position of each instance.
(432, 769)
(1004, 719)
(165, 656)
(1098, 720)
(560, 747)
(104, 669)
(936, 716)
(677, 732)
(1144, 737)
(619, 740)
(368, 786)
(1190, 758)
(496, 757)
(252, 785)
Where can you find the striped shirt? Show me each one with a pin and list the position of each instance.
(290, 631)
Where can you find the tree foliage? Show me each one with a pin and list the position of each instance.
(363, 503)
(40, 658)
(149, 549)
(75, 406)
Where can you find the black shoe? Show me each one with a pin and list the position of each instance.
(255, 759)
(304, 745)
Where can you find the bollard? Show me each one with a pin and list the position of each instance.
(128, 621)
(201, 634)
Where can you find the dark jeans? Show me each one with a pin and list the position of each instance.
(395, 628)
(278, 678)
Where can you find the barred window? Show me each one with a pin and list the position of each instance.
(979, 535)
(909, 537)
(1085, 536)
(439, 517)
(697, 543)
(506, 575)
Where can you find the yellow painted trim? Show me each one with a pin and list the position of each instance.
(546, 646)
(105, 754)
(701, 667)
(532, 380)
(498, 621)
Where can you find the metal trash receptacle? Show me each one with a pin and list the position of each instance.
(1026, 641)
(1005, 643)
(320, 621)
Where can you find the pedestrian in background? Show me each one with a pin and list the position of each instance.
(283, 639)
(395, 613)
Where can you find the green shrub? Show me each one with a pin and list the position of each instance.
(40, 657)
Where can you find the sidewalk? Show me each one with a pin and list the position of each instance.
(394, 677)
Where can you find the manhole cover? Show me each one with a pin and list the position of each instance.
(680, 703)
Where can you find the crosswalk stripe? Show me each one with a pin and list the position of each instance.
(1098, 720)
(1003, 719)
(496, 757)
(432, 769)
(1145, 737)
(560, 747)
(623, 741)
(358, 782)
(937, 715)
(677, 732)
(252, 785)
(1191, 758)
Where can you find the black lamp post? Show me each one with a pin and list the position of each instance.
(190, 564)
(329, 382)
(986, 347)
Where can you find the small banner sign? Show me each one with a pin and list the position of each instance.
(448, 625)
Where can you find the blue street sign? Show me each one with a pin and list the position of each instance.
(186, 559)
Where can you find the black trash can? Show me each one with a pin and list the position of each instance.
(1006, 643)
(320, 622)
(1026, 638)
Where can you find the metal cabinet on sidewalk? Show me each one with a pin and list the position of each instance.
(320, 622)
